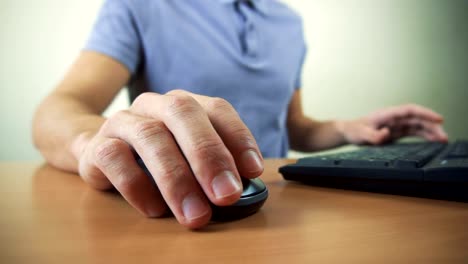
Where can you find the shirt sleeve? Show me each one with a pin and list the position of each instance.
(116, 35)
(298, 80)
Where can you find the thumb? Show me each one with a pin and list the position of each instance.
(376, 136)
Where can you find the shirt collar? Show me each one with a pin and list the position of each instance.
(260, 5)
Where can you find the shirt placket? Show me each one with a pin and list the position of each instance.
(248, 35)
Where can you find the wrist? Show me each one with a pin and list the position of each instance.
(341, 128)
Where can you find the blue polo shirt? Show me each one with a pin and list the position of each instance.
(247, 52)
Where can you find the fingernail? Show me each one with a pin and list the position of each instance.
(193, 207)
(225, 185)
(153, 211)
(251, 158)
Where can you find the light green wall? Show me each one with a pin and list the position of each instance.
(38, 41)
(366, 54)
(363, 54)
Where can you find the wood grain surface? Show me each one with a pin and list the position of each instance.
(50, 216)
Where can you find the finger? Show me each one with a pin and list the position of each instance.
(439, 133)
(115, 159)
(397, 113)
(430, 131)
(87, 169)
(426, 135)
(234, 133)
(209, 159)
(161, 155)
(412, 126)
(401, 131)
(423, 113)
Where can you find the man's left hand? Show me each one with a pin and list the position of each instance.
(392, 123)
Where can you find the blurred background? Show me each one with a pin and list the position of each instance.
(363, 55)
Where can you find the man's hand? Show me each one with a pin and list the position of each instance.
(393, 123)
(195, 147)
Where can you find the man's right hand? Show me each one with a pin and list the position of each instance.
(195, 147)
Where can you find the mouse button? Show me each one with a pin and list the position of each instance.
(252, 186)
(252, 199)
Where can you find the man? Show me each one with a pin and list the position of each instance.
(237, 65)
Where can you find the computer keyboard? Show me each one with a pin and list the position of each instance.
(421, 166)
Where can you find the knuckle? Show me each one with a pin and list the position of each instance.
(118, 115)
(181, 104)
(170, 174)
(410, 107)
(208, 149)
(163, 149)
(146, 129)
(125, 182)
(107, 125)
(217, 103)
(108, 151)
(177, 92)
(141, 98)
(244, 137)
(181, 101)
(114, 119)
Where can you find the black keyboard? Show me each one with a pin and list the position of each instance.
(423, 168)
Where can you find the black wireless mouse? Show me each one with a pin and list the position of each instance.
(252, 198)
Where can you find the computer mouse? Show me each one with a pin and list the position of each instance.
(253, 197)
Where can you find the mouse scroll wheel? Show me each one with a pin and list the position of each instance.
(245, 182)
(252, 187)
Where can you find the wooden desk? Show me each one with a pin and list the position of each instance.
(48, 216)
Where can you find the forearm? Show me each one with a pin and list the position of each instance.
(58, 123)
(309, 135)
